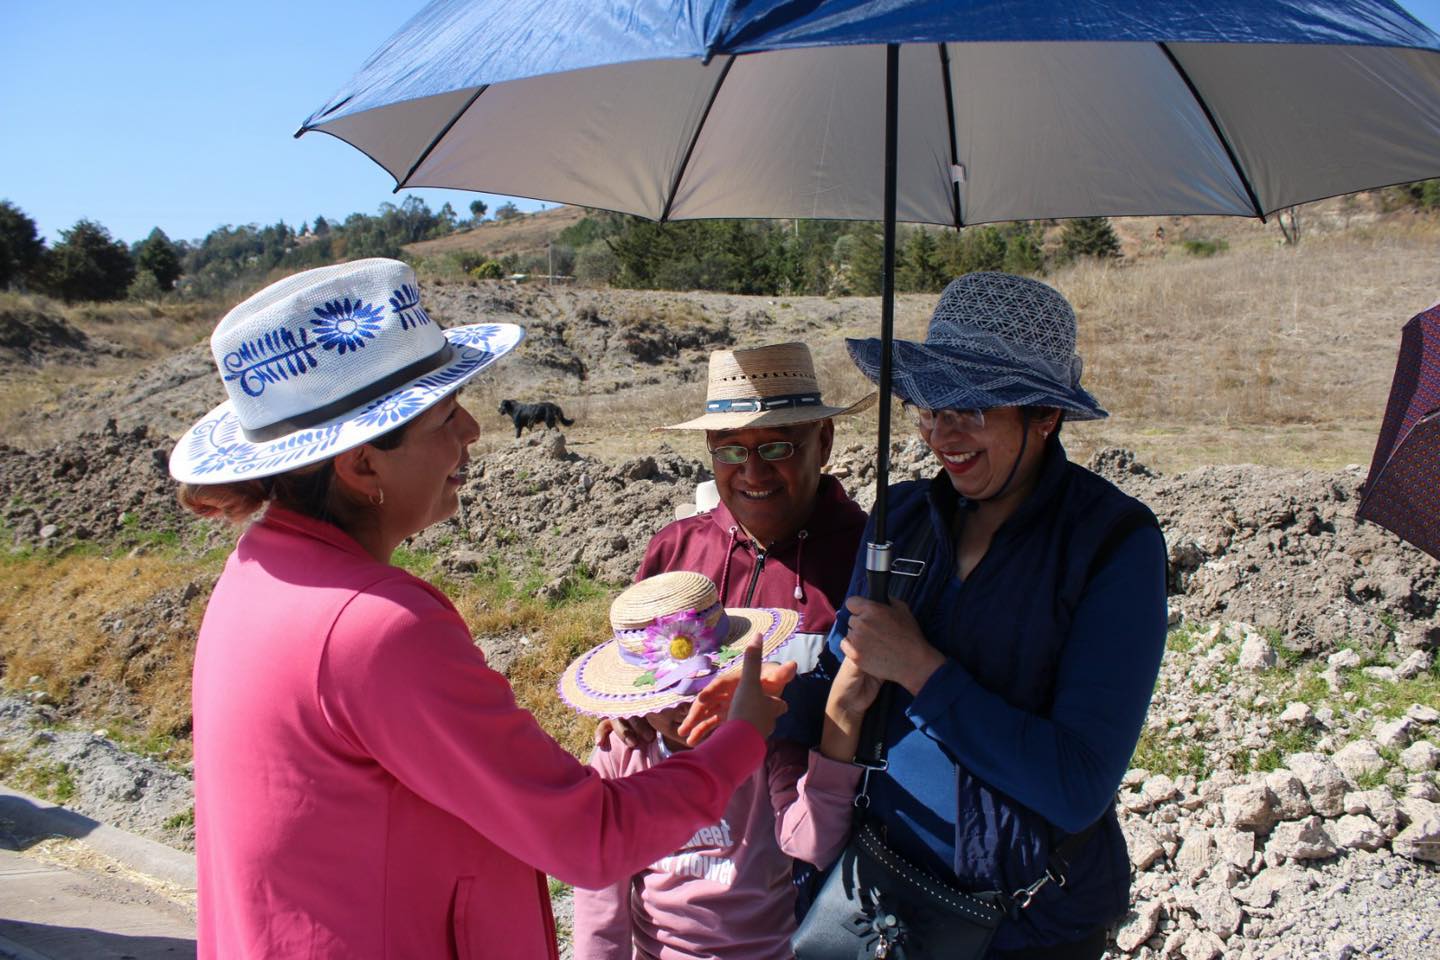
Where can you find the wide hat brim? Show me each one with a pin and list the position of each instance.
(937, 376)
(216, 450)
(784, 417)
(601, 684)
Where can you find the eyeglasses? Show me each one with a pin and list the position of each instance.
(734, 454)
(950, 418)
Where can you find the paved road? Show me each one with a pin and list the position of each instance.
(95, 907)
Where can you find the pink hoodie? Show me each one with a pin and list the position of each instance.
(727, 892)
(365, 786)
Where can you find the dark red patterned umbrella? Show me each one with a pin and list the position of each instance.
(1402, 492)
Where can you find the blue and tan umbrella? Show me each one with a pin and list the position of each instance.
(931, 111)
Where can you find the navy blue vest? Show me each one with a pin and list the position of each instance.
(1006, 624)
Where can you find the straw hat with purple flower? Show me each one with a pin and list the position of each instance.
(672, 637)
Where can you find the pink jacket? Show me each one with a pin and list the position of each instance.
(728, 891)
(366, 787)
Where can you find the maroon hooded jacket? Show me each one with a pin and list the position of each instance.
(809, 572)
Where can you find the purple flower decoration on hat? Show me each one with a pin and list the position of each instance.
(346, 325)
(679, 647)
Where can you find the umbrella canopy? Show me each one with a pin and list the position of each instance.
(940, 111)
(1007, 110)
(1402, 492)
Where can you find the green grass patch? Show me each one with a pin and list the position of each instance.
(181, 821)
(1157, 753)
(51, 781)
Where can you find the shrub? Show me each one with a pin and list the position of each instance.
(1206, 248)
(487, 270)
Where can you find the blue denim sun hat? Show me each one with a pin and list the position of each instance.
(995, 340)
(323, 361)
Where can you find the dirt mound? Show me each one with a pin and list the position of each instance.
(98, 486)
(31, 338)
(1281, 549)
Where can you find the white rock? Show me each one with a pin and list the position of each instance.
(1195, 855)
(1236, 847)
(1134, 801)
(1416, 809)
(1324, 783)
(1393, 733)
(1422, 713)
(1340, 948)
(1423, 788)
(1134, 777)
(1159, 789)
(1145, 846)
(1379, 805)
(1250, 806)
(1256, 654)
(1343, 659)
(1413, 665)
(1262, 889)
(1297, 713)
(1202, 945)
(1420, 756)
(1358, 759)
(1291, 801)
(1138, 926)
(1383, 674)
(1358, 832)
(1305, 840)
(1419, 841)
(1218, 911)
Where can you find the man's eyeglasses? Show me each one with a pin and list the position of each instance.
(734, 454)
(950, 418)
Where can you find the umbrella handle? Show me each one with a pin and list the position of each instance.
(877, 571)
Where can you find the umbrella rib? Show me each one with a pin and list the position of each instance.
(954, 148)
(1215, 128)
(430, 147)
(690, 148)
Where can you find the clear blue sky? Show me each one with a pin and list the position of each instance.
(180, 114)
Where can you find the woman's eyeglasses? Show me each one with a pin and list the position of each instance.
(734, 454)
(949, 418)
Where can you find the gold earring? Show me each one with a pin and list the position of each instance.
(377, 500)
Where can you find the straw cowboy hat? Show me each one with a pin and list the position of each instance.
(995, 340)
(672, 638)
(323, 361)
(770, 386)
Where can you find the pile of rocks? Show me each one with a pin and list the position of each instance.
(1228, 863)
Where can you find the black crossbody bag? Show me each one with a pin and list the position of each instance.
(875, 903)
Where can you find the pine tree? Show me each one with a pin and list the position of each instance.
(1089, 237)
(88, 264)
(159, 256)
(22, 250)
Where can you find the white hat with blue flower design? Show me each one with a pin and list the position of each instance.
(323, 361)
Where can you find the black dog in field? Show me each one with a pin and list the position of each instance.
(526, 415)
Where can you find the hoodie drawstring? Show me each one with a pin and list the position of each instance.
(725, 571)
(799, 553)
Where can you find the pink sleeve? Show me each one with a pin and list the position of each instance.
(602, 917)
(814, 799)
(402, 682)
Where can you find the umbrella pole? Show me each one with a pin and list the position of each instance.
(878, 552)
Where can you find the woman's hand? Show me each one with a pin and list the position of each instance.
(714, 702)
(885, 641)
(851, 694)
